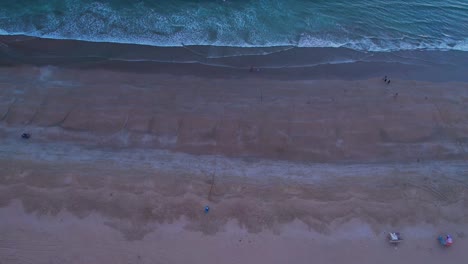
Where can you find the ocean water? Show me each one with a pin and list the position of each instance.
(364, 25)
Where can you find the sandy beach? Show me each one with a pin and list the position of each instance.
(121, 164)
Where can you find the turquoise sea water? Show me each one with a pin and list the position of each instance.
(368, 25)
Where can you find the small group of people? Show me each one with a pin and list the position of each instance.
(386, 80)
(444, 240)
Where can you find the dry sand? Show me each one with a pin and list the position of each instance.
(120, 166)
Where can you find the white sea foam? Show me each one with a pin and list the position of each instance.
(212, 24)
(462, 45)
(184, 39)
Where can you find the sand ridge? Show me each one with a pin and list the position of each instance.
(318, 121)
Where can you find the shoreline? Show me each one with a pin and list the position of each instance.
(278, 63)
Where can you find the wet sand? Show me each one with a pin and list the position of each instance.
(274, 63)
(120, 165)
